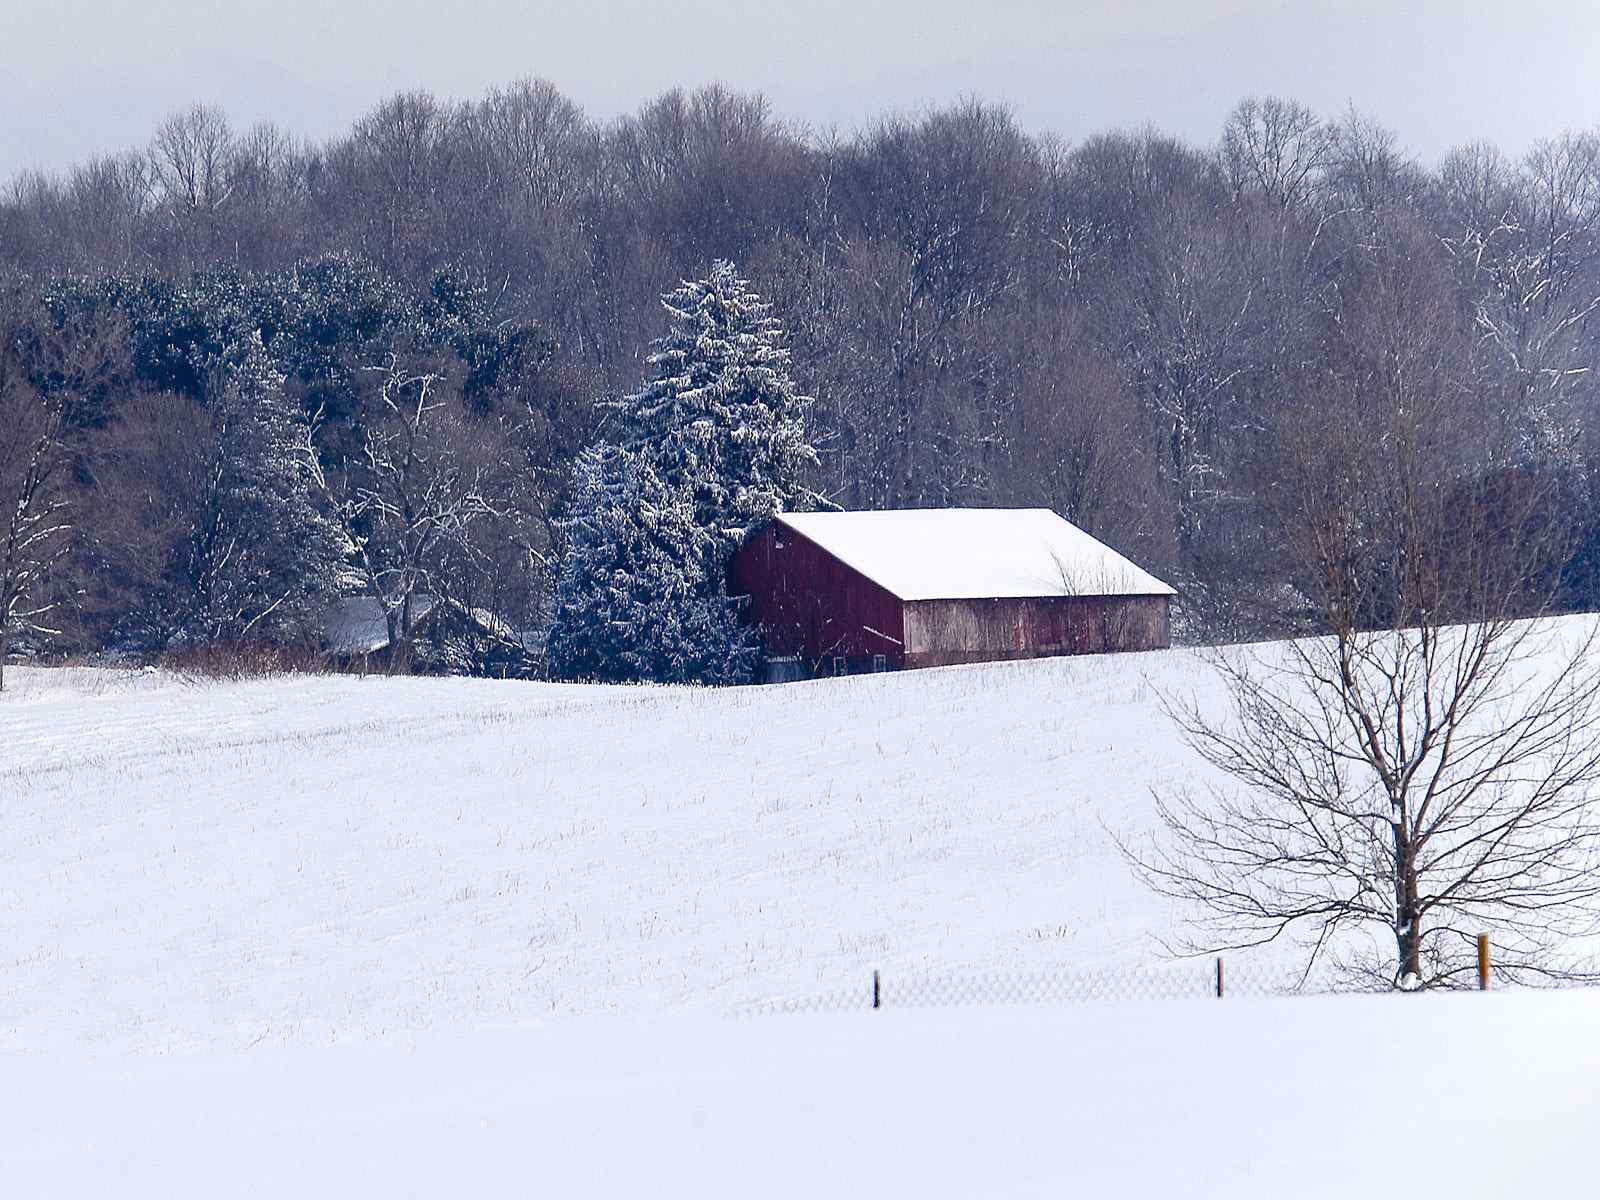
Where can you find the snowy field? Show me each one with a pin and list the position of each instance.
(340, 936)
(316, 860)
(1459, 1096)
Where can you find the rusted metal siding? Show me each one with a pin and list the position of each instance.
(809, 603)
(942, 632)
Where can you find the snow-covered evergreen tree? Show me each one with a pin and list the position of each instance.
(634, 600)
(720, 415)
(261, 556)
(711, 446)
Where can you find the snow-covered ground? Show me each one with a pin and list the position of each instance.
(306, 860)
(340, 936)
(1460, 1096)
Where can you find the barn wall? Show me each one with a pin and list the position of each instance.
(809, 603)
(942, 632)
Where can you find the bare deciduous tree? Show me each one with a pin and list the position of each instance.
(1275, 147)
(1425, 771)
(45, 372)
(410, 498)
(1420, 785)
(192, 158)
(35, 529)
(150, 472)
(1527, 244)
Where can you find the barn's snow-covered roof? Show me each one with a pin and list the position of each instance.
(974, 553)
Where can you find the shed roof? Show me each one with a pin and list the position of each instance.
(974, 553)
(356, 624)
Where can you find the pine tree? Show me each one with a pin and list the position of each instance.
(720, 415)
(260, 556)
(634, 601)
(710, 447)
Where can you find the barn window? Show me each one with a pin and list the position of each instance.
(840, 666)
(880, 662)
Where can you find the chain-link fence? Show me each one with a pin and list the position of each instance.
(1193, 979)
(1211, 979)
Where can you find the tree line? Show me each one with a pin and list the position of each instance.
(412, 323)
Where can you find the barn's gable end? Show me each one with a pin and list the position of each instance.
(811, 605)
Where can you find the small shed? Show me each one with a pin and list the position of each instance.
(450, 637)
(845, 592)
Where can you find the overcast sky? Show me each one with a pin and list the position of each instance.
(84, 76)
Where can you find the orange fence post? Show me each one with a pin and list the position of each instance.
(1483, 962)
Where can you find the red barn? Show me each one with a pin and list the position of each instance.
(861, 591)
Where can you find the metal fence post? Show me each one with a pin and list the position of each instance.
(877, 994)
(1219, 978)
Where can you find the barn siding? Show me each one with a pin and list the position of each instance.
(809, 603)
(943, 632)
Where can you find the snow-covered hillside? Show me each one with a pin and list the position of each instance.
(325, 859)
(417, 937)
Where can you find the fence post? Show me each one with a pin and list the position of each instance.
(877, 995)
(1219, 978)
(1483, 962)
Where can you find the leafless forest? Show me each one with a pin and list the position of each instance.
(1142, 334)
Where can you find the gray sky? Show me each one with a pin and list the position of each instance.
(85, 76)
